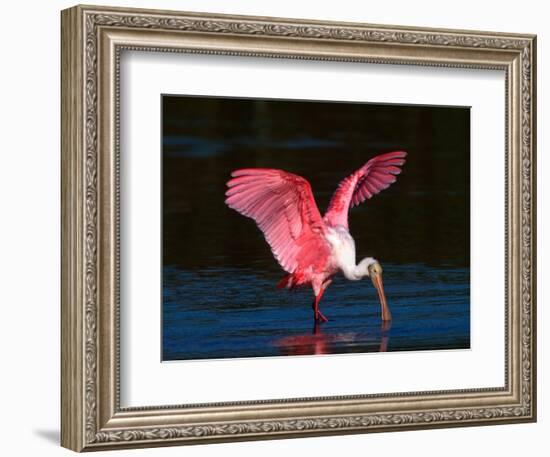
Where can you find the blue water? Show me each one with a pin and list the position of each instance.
(230, 312)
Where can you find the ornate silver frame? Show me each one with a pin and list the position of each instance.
(92, 40)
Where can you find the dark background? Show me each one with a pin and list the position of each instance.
(422, 219)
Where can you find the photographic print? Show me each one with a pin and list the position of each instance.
(297, 227)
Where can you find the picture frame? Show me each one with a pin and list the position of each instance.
(93, 39)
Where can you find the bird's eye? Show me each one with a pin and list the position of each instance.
(375, 268)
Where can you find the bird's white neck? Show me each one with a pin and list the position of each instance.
(355, 272)
(343, 250)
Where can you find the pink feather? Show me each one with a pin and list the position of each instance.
(284, 209)
(373, 177)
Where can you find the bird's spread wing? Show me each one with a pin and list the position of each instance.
(284, 209)
(373, 177)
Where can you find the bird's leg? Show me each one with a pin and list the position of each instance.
(316, 330)
(317, 314)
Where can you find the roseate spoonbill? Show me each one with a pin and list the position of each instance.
(311, 248)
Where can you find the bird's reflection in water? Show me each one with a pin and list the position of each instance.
(320, 342)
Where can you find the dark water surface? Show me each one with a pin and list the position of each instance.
(219, 276)
(229, 312)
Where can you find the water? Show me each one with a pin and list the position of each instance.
(229, 312)
(219, 298)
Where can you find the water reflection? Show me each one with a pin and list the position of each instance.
(318, 342)
(384, 336)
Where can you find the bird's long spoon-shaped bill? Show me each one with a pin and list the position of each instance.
(379, 285)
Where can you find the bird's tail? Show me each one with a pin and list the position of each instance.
(292, 280)
(285, 282)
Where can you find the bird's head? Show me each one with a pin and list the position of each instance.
(374, 272)
(374, 269)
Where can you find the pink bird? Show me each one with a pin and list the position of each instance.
(311, 248)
